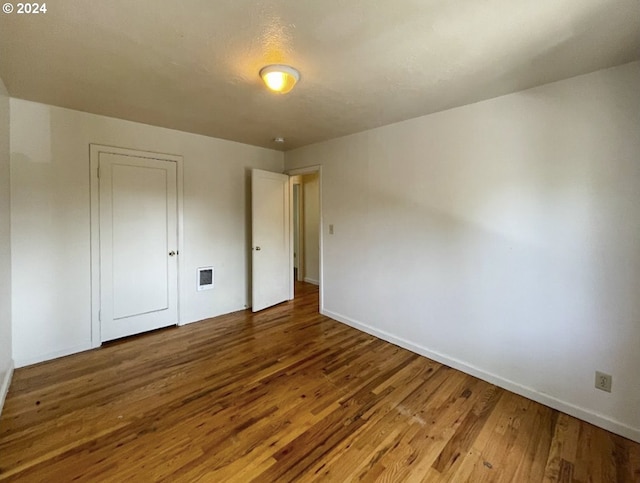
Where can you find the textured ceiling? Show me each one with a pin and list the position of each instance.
(193, 65)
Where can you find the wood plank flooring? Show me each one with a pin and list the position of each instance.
(285, 395)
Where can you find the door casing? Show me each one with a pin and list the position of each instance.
(94, 159)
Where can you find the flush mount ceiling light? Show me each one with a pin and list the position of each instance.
(279, 78)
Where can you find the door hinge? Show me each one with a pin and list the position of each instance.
(99, 315)
(98, 172)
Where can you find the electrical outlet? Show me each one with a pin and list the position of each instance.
(603, 381)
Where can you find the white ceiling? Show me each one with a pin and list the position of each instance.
(193, 65)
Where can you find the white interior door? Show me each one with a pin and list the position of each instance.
(138, 245)
(270, 239)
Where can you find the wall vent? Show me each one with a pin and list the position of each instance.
(204, 279)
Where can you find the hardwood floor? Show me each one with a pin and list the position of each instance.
(282, 395)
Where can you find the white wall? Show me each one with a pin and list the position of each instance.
(50, 224)
(502, 238)
(6, 364)
(311, 204)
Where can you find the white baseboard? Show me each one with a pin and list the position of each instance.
(53, 355)
(226, 311)
(587, 415)
(311, 281)
(183, 323)
(5, 383)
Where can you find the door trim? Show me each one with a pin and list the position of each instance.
(94, 159)
(300, 171)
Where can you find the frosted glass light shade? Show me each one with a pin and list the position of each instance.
(280, 78)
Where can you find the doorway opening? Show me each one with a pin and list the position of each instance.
(306, 232)
(286, 240)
